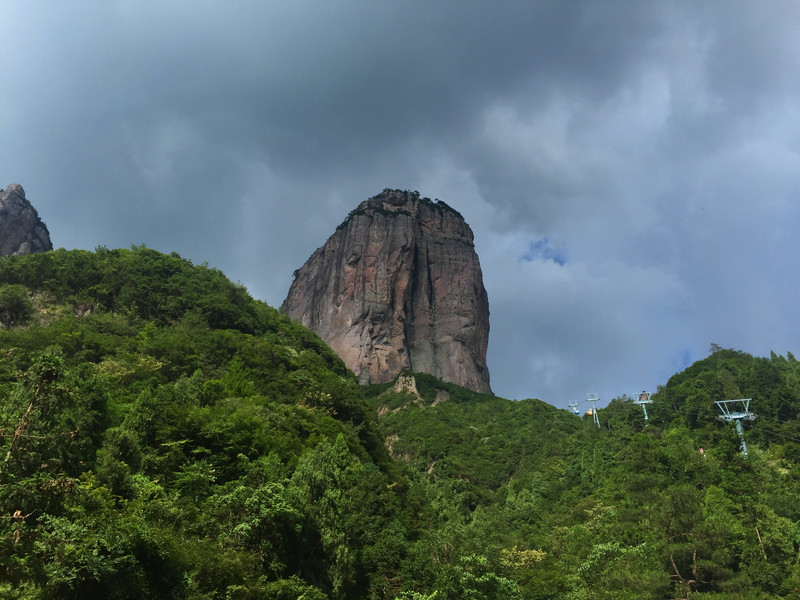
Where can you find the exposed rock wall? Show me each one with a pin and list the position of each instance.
(21, 229)
(399, 286)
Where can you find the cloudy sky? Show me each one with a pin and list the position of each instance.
(630, 169)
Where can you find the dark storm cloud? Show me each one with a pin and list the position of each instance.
(629, 168)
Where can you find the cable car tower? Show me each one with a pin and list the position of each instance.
(643, 400)
(594, 399)
(736, 411)
(574, 407)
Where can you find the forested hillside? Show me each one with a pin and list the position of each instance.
(568, 510)
(164, 435)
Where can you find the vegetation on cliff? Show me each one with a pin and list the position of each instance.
(375, 206)
(163, 435)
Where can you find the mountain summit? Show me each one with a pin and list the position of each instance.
(21, 229)
(399, 286)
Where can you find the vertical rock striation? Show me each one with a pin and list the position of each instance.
(399, 286)
(21, 229)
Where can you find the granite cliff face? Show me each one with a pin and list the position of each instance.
(399, 286)
(21, 229)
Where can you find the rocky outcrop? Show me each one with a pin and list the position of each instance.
(21, 229)
(406, 384)
(398, 287)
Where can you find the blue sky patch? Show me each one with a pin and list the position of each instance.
(542, 250)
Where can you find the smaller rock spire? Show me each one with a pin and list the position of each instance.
(21, 229)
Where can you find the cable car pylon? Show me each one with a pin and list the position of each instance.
(736, 411)
(643, 400)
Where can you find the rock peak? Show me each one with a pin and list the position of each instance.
(16, 189)
(21, 229)
(398, 287)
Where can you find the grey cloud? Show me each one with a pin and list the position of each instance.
(655, 145)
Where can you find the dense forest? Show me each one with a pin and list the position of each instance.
(164, 435)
